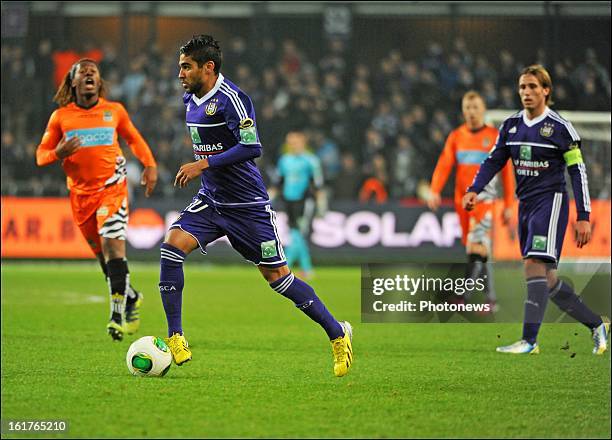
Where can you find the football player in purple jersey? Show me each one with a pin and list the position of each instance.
(542, 145)
(232, 200)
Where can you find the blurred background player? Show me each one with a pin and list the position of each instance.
(542, 145)
(232, 200)
(82, 133)
(301, 187)
(467, 147)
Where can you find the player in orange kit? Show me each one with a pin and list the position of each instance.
(82, 133)
(466, 147)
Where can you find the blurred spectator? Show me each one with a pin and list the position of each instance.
(328, 153)
(404, 176)
(589, 97)
(385, 121)
(44, 87)
(434, 59)
(374, 144)
(63, 59)
(483, 71)
(134, 81)
(335, 60)
(90, 50)
(489, 93)
(592, 69)
(234, 54)
(109, 60)
(348, 181)
(508, 98)
(291, 60)
(375, 186)
(507, 68)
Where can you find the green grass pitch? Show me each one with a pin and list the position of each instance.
(262, 369)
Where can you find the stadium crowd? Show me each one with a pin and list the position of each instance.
(378, 127)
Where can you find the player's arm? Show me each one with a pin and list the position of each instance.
(508, 184)
(53, 146)
(496, 160)
(240, 117)
(580, 185)
(141, 150)
(445, 165)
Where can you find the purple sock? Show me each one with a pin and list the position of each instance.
(308, 302)
(566, 299)
(171, 282)
(535, 306)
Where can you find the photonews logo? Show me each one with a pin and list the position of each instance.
(93, 137)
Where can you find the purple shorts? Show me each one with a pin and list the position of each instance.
(542, 223)
(251, 231)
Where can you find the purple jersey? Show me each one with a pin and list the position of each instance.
(221, 120)
(540, 149)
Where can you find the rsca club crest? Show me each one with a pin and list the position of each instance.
(108, 116)
(486, 142)
(547, 130)
(211, 107)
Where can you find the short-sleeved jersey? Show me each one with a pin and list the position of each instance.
(540, 149)
(217, 122)
(297, 172)
(467, 149)
(99, 162)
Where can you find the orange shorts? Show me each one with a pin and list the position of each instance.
(475, 224)
(102, 214)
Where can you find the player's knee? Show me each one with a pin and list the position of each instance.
(551, 279)
(534, 267)
(113, 248)
(478, 248)
(272, 274)
(181, 240)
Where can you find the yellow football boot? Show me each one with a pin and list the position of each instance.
(115, 330)
(342, 348)
(179, 348)
(600, 337)
(132, 314)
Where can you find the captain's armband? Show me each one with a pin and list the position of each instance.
(573, 157)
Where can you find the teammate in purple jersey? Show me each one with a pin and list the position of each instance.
(542, 144)
(232, 200)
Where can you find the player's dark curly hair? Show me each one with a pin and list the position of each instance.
(66, 93)
(203, 48)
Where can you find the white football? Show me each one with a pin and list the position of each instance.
(149, 356)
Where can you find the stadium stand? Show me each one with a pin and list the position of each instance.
(392, 118)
